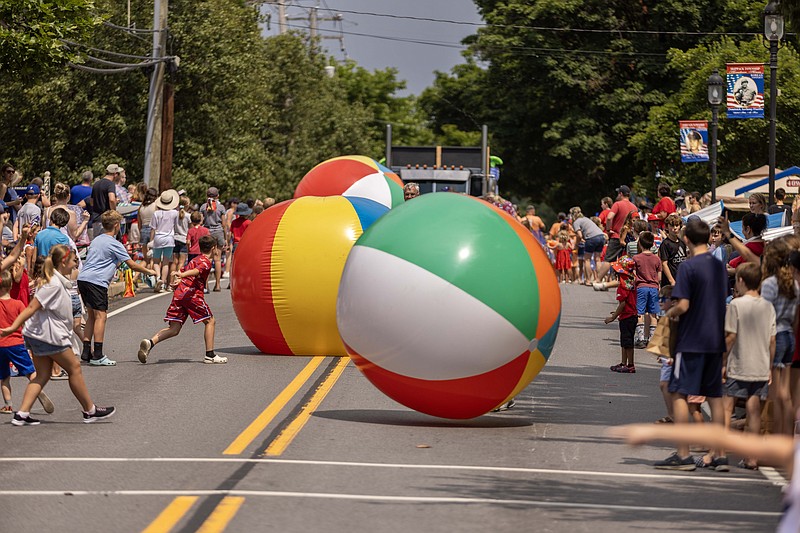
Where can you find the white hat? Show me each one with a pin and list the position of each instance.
(169, 199)
(113, 168)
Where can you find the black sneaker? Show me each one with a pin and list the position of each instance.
(674, 462)
(505, 407)
(26, 421)
(99, 413)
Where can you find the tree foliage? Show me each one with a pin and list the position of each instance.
(31, 32)
(564, 106)
(252, 114)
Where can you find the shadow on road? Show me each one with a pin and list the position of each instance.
(413, 419)
(242, 350)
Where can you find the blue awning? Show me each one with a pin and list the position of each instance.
(793, 171)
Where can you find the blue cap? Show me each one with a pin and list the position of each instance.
(32, 189)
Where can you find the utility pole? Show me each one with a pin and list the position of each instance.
(281, 17)
(155, 102)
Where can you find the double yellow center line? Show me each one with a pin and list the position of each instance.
(227, 508)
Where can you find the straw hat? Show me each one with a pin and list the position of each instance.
(168, 200)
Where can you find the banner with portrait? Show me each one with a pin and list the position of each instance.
(694, 141)
(745, 90)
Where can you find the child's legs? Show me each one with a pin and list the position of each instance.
(696, 413)
(627, 356)
(44, 368)
(172, 330)
(753, 408)
(667, 397)
(99, 325)
(680, 410)
(208, 333)
(718, 416)
(778, 407)
(88, 329)
(217, 265)
(5, 385)
(76, 382)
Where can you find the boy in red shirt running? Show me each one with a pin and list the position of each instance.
(188, 301)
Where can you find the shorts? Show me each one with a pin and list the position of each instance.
(77, 306)
(647, 300)
(697, 374)
(17, 355)
(666, 372)
(784, 349)
(627, 328)
(191, 256)
(180, 248)
(144, 235)
(192, 304)
(581, 250)
(97, 229)
(695, 399)
(595, 244)
(42, 349)
(163, 253)
(220, 237)
(735, 388)
(94, 296)
(614, 250)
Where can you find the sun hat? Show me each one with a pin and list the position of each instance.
(624, 266)
(169, 199)
(243, 210)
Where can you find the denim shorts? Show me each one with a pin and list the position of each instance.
(40, 348)
(595, 244)
(77, 307)
(144, 236)
(784, 349)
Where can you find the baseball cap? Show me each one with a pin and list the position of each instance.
(113, 168)
(213, 192)
(624, 189)
(32, 189)
(680, 193)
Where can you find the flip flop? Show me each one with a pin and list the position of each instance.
(105, 361)
(664, 420)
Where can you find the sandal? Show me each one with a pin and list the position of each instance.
(744, 464)
(7, 410)
(664, 420)
(105, 361)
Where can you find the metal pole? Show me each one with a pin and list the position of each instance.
(714, 126)
(485, 157)
(773, 107)
(389, 146)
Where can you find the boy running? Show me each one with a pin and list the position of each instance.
(188, 301)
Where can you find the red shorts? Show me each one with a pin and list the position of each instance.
(191, 304)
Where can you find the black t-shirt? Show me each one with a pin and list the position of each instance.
(674, 253)
(100, 203)
(787, 209)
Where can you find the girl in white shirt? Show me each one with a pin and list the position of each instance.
(48, 332)
(163, 232)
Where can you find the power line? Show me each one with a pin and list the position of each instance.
(543, 28)
(98, 50)
(446, 44)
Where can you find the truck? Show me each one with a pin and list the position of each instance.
(462, 169)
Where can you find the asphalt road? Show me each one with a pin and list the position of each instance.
(327, 451)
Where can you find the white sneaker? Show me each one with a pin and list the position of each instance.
(144, 350)
(216, 360)
(599, 286)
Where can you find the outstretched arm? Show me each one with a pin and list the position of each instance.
(776, 450)
(17, 250)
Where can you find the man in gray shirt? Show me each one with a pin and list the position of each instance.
(29, 213)
(594, 239)
(214, 219)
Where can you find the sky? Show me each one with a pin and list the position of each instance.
(415, 62)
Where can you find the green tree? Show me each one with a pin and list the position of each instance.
(31, 32)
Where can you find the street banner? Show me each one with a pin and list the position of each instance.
(694, 141)
(745, 90)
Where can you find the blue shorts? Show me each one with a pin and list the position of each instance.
(160, 254)
(697, 374)
(647, 300)
(41, 349)
(666, 372)
(581, 250)
(784, 349)
(17, 355)
(745, 389)
(595, 244)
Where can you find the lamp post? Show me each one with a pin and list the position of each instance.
(716, 88)
(773, 32)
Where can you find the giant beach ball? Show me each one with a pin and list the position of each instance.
(287, 268)
(353, 176)
(448, 305)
